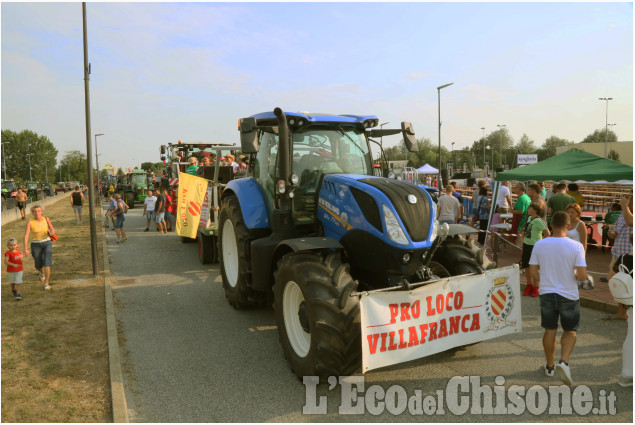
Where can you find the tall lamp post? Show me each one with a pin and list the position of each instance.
(439, 104)
(452, 155)
(483, 128)
(97, 157)
(606, 130)
(28, 155)
(609, 150)
(4, 161)
(500, 127)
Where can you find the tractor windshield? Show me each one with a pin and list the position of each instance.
(9, 186)
(139, 179)
(31, 185)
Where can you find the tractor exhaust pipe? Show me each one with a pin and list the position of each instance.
(283, 155)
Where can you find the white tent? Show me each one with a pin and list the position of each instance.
(427, 169)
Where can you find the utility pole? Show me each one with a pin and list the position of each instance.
(89, 154)
(500, 127)
(439, 102)
(606, 129)
(4, 161)
(483, 128)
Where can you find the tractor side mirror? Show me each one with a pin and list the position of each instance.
(162, 153)
(248, 135)
(409, 137)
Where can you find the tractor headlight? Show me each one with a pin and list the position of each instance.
(282, 187)
(435, 230)
(295, 179)
(393, 227)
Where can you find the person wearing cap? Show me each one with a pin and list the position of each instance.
(193, 166)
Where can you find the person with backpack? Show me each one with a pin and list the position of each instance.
(120, 214)
(621, 287)
(481, 212)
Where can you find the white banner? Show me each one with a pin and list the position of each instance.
(205, 207)
(400, 326)
(526, 159)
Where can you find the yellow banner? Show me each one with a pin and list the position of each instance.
(191, 193)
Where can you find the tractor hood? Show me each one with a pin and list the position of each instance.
(401, 212)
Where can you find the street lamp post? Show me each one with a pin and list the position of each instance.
(500, 127)
(46, 171)
(483, 128)
(439, 104)
(28, 155)
(452, 155)
(4, 161)
(606, 130)
(611, 148)
(97, 158)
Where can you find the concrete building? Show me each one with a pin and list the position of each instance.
(623, 149)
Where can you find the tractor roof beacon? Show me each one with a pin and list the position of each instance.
(313, 223)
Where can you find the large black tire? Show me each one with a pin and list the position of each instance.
(129, 199)
(233, 237)
(458, 256)
(206, 248)
(318, 321)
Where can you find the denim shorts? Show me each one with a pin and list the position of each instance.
(553, 306)
(42, 253)
(119, 221)
(168, 216)
(150, 215)
(159, 218)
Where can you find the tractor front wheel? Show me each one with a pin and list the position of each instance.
(457, 257)
(318, 321)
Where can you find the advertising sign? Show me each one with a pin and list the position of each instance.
(400, 326)
(526, 159)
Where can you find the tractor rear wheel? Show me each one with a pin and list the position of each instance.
(234, 259)
(129, 198)
(318, 321)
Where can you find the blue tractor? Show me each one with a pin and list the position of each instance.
(310, 225)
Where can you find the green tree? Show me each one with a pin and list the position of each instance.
(74, 166)
(119, 171)
(548, 149)
(601, 136)
(27, 155)
(152, 166)
(614, 155)
(525, 145)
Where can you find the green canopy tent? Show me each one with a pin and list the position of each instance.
(573, 165)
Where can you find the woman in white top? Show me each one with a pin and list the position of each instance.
(577, 229)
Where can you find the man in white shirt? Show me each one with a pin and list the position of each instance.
(556, 265)
(448, 207)
(504, 199)
(148, 209)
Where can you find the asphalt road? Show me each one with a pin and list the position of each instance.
(190, 357)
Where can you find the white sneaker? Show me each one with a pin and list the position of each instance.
(564, 372)
(625, 381)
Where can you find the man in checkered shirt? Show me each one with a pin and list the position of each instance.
(622, 245)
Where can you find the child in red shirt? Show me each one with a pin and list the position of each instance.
(13, 260)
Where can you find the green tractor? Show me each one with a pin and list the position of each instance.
(134, 187)
(34, 191)
(9, 190)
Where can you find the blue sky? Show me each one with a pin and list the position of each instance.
(168, 71)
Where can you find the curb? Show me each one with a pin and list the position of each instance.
(117, 390)
(590, 303)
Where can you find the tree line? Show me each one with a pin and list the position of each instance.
(498, 146)
(29, 156)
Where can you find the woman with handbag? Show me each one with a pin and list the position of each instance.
(42, 232)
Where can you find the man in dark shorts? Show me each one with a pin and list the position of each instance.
(20, 201)
(77, 200)
(556, 264)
